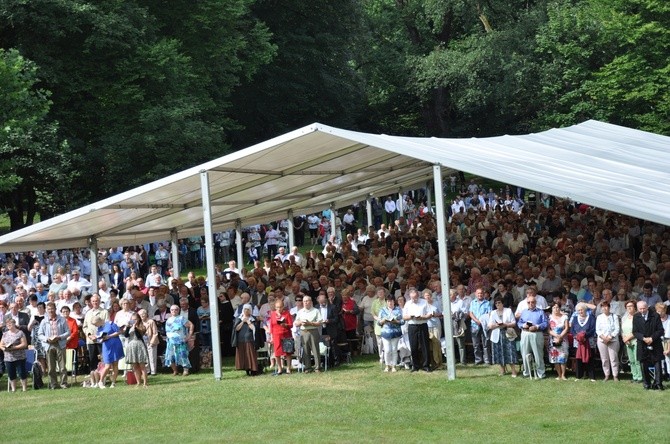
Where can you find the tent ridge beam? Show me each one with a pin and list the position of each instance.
(246, 171)
(147, 206)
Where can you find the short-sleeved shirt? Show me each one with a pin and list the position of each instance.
(10, 338)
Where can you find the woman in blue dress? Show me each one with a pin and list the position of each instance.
(179, 331)
(112, 349)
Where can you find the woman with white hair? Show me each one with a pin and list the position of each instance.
(583, 329)
(244, 339)
(112, 351)
(179, 331)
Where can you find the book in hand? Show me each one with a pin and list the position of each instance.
(102, 336)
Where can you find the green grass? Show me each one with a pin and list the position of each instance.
(353, 403)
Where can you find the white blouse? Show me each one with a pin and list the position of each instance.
(607, 325)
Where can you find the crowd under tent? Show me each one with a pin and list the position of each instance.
(316, 167)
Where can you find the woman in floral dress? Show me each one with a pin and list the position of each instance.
(558, 344)
(179, 331)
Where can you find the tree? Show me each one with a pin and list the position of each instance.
(34, 165)
(312, 78)
(606, 60)
(467, 66)
(140, 90)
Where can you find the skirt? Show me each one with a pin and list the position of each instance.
(245, 357)
(558, 354)
(176, 354)
(504, 351)
(136, 352)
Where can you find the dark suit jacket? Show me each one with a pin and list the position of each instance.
(651, 328)
(332, 327)
(391, 287)
(195, 320)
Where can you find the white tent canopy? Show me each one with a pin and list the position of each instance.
(604, 165)
(612, 167)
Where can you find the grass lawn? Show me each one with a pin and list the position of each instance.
(353, 403)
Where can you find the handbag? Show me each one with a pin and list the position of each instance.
(458, 325)
(288, 345)
(510, 333)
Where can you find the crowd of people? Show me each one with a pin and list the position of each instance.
(559, 283)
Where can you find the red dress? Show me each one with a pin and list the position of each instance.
(280, 331)
(350, 319)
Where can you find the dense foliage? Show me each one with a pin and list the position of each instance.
(99, 96)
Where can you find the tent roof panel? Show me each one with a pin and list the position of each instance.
(609, 166)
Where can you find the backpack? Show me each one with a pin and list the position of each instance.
(37, 376)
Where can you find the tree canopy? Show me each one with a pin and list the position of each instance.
(100, 96)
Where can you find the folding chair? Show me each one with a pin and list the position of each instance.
(324, 350)
(652, 373)
(531, 366)
(71, 363)
(345, 352)
(263, 358)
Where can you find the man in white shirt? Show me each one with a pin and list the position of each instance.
(78, 285)
(150, 280)
(272, 240)
(313, 227)
(296, 256)
(68, 300)
(310, 322)
(231, 268)
(416, 313)
(389, 208)
(541, 302)
(103, 292)
(281, 254)
(348, 221)
(162, 259)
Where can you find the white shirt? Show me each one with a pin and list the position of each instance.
(366, 305)
(607, 325)
(104, 298)
(494, 318)
(79, 284)
(457, 305)
(523, 305)
(418, 308)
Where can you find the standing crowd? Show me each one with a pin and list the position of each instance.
(560, 284)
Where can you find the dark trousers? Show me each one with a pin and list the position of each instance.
(418, 343)
(583, 368)
(272, 251)
(94, 350)
(646, 374)
(15, 367)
